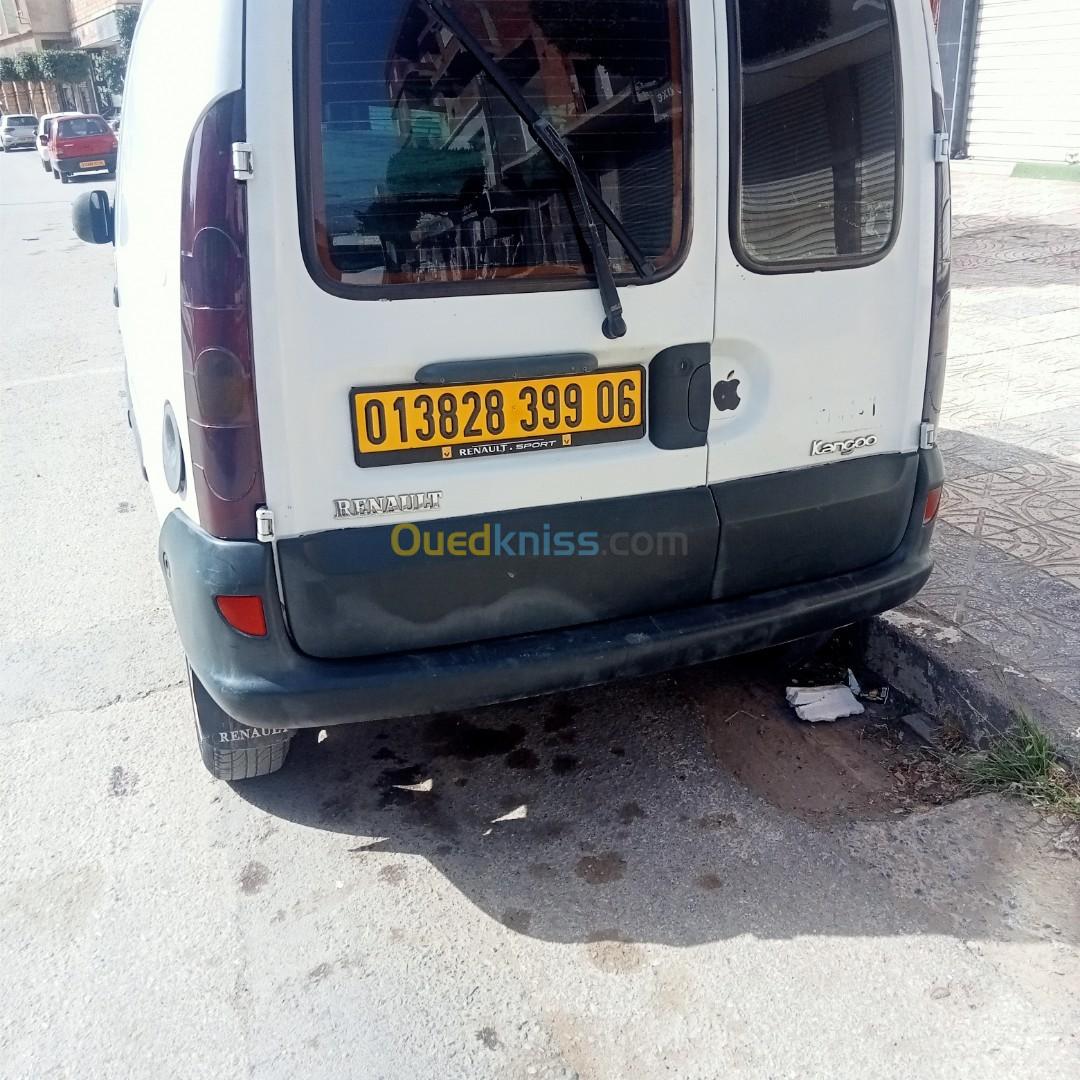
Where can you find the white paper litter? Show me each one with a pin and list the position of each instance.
(853, 683)
(819, 703)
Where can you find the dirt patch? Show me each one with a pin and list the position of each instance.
(611, 952)
(862, 767)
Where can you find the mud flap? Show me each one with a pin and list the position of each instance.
(219, 731)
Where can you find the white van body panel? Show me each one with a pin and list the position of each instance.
(820, 356)
(772, 550)
(166, 95)
(311, 347)
(834, 354)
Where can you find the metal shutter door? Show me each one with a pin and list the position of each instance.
(1025, 88)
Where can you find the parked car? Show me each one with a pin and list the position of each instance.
(45, 133)
(641, 365)
(81, 145)
(17, 132)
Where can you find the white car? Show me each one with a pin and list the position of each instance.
(44, 134)
(495, 351)
(17, 132)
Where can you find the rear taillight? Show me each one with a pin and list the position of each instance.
(939, 315)
(219, 374)
(243, 613)
(932, 505)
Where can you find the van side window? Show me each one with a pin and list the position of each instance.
(817, 117)
(418, 175)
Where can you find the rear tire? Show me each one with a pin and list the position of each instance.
(64, 178)
(261, 754)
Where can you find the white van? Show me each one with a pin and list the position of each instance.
(44, 135)
(479, 349)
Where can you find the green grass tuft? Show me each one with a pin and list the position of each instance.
(1023, 762)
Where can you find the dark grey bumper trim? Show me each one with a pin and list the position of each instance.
(268, 682)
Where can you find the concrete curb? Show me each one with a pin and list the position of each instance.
(955, 679)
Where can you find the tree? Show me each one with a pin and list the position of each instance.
(10, 73)
(127, 18)
(110, 69)
(64, 65)
(28, 67)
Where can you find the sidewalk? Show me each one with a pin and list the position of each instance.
(1005, 597)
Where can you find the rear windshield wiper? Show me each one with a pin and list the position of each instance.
(588, 199)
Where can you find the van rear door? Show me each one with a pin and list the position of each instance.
(453, 449)
(824, 282)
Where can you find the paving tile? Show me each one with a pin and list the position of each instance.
(983, 453)
(1029, 617)
(1008, 543)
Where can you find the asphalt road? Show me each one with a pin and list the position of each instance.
(667, 878)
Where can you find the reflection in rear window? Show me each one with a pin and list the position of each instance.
(820, 130)
(422, 173)
(82, 126)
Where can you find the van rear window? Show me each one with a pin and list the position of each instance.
(818, 114)
(421, 175)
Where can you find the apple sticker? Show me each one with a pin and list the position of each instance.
(726, 394)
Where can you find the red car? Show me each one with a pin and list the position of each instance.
(80, 145)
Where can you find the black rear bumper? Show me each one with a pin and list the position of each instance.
(73, 166)
(269, 682)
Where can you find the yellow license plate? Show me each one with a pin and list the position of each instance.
(399, 424)
(92, 165)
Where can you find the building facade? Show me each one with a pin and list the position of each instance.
(32, 25)
(94, 23)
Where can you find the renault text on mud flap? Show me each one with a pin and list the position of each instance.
(841, 446)
(246, 734)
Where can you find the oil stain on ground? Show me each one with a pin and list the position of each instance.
(457, 738)
(122, 783)
(601, 869)
(522, 758)
(253, 877)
